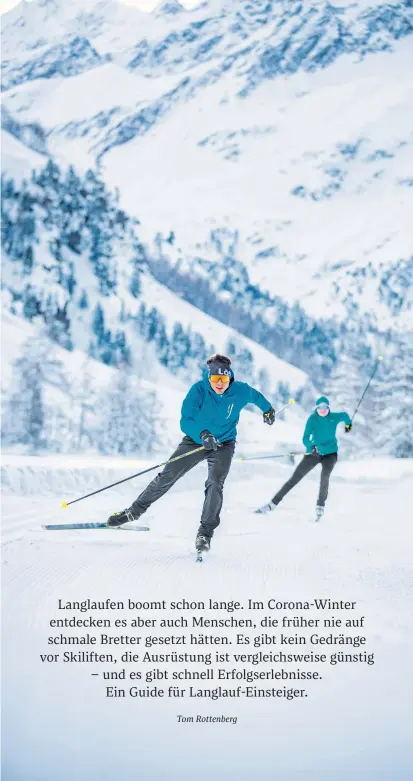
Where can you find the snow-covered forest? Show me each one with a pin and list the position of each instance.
(75, 269)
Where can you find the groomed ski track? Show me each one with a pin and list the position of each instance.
(361, 549)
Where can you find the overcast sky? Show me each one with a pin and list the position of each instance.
(146, 5)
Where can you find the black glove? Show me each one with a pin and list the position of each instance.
(269, 417)
(348, 427)
(209, 441)
(315, 451)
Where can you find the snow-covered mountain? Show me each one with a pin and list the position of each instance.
(283, 118)
(265, 148)
(168, 8)
(73, 266)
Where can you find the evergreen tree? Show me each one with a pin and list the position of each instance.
(393, 425)
(141, 319)
(264, 382)
(31, 304)
(230, 349)
(19, 228)
(24, 419)
(49, 177)
(197, 347)
(151, 324)
(72, 187)
(88, 419)
(98, 325)
(70, 280)
(129, 418)
(28, 261)
(58, 329)
(83, 301)
(161, 342)
(122, 355)
(138, 265)
(245, 364)
(242, 359)
(101, 257)
(178, 348)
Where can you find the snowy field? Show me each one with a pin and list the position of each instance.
(59, 726)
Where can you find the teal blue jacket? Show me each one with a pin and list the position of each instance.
(203, 409)
(321, 432)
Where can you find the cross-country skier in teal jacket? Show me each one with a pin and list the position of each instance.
(209, 417)
(321, 445)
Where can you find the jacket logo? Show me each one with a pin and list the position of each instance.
(230, 408)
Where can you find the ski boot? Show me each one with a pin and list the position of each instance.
(266, 508)
(202, 545)
(117, 519)
(319, 512)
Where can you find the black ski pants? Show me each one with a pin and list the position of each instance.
(304, 467)
(219, 462)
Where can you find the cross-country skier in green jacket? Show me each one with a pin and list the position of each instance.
(321, 444)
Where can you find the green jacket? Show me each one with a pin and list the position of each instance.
(321, 432)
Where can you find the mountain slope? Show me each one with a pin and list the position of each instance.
(73, 265)
(266, 151)
(330, 143)
(18, 160)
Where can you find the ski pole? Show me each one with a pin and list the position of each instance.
(291, 401)
(380, 358)
(138, 474)
(277, 455)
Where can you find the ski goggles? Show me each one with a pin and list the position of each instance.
(225, 378)
(322, 406)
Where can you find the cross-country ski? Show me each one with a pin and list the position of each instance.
(92, 525)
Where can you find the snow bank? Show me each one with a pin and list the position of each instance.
(65, 476)
(69, 477)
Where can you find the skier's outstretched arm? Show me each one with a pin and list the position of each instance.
(255, 397)
(344, 417)
(307, 435)
(190, 412)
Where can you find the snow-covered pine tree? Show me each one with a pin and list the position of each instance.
(98, 325)
(245, 364)
(129, 417)
(178, 348)
(101, 258)
(31, 305)
(18, 224)
(24, 409)
(138, 264)
(151, 322)
(88, 423)
(197, 347)
(58, 328)
(394, 400)
(140, 319)
(161, 342)
(264, 382)
(121, 352)
(83, 301)
(49, 184)
(279, 397)
(242, 359)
